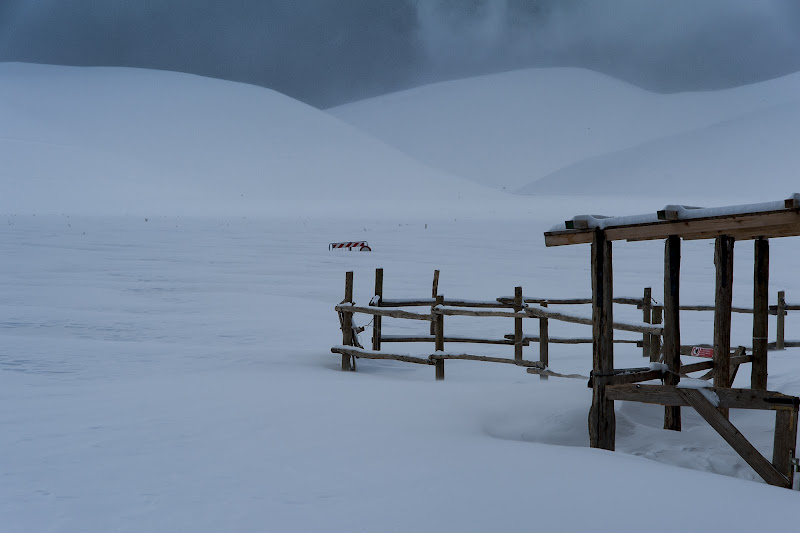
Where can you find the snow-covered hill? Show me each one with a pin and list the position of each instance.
(509, 130)
(113, 140)
(753, 156)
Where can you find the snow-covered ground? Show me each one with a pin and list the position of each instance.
(165, 362)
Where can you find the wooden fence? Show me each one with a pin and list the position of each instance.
(438, 306)
(517, 307)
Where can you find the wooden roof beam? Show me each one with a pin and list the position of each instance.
(783, 223)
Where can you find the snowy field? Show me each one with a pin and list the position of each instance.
(172, 373)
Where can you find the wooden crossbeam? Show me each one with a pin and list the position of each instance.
(747, 226)
(728, 398)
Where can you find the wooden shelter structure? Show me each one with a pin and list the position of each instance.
(757, 222)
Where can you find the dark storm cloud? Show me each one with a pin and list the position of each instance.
(328, 51)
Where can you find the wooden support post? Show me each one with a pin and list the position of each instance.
(758, 373)
(518, 324)
(439, 365)
(655, 340)
(434, 294)
(647, 310)
(723, 260)
(438, 326)
(602, 420)
(347, 320)
(376, 320)
(544, 344)
(780, 331)
(672, 324)
(784, 448)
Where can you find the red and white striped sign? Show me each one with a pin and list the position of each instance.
(362, 246)
(708, 353)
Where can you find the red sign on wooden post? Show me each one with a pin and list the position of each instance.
(708, 353)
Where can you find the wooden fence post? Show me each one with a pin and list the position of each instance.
(784, 448)
(438, 323)
(376, 320)
(518, 324)
(723, 260)
(672, 324)
(647, 311)
(655, 340)
(434, 294)
(347, 320)
(780, 331)
(602, 420)
(544, 342)
(758, 373)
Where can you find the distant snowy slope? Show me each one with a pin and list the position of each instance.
(754, 156)
(509, 129)
(114, 140)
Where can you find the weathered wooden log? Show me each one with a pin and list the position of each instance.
(383, 311)
(672, 327)
(422, 302)
(348, 351)
(407, 338)
(647, 317)
(376, 321)
(546, 313)
(784, 447)
(432, 338)
(736, 360)
(567, 340)
(571, 301)
(723, 260)
(518, 324)
(655, 340)
(346, 317)
(629, 375)
(438, 323)
(434, 294)
(471, 357)
(728, 398)
(602, 419)
(548, 372)
(544, 344)
(780, 325)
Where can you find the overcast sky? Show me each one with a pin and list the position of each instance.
(326, 52)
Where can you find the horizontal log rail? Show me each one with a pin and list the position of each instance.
(382, 311)
(536, 312)
(423, 302)
(430, 359)
(469, 357)
(368, 354)
(431, 338)
(571, 301)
